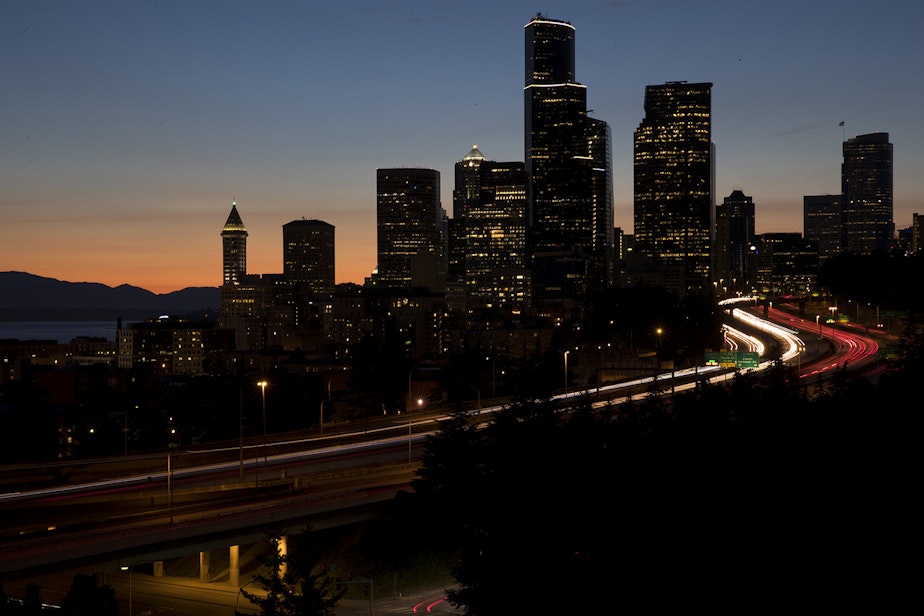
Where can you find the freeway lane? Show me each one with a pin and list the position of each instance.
(223, 489)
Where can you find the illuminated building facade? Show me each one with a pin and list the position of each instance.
(495, 249)
(562, 148)
(866, 184)
(599, 150)
(308, 256)
(411, 234)
(234, 248)
(673, 180)
(465, 194)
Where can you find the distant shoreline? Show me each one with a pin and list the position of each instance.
(63, 332)
(33, 315)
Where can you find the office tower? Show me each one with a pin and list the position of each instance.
(916, 239)
(866, 183)
(673, 180)
(734, 241)
(821, 216)
(784, 264)
(495, 247)
(234, 248)
(465, 193)
(410, 225)
(599, 142)
(308, 256)
(559, 159)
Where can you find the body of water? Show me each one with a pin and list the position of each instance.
(62, 331)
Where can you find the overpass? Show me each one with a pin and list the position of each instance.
(222, 497)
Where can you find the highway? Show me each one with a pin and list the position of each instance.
(143, 503)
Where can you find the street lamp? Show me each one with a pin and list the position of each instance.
(658, 331)
(566, 372)
(240, 423)
(130, 570)
(262, 385)
(409, 425)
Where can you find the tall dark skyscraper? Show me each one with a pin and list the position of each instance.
(410, 229)
(821, 223)
(234, 248)
(674, 189)
(308, 256)
(734, 242)
(599, 144)
(561, 150)
(866, 184)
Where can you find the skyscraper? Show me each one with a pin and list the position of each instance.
(674, 191)
(866, 184)
(734, 240)
(561, 150)
(308, 256)
(495, 248)
(821, 223)
(603, 271)
(465, 194)
(410, 226)
(234, 248)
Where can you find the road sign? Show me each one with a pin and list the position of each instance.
(733, 359)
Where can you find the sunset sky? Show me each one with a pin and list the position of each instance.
(128, 128)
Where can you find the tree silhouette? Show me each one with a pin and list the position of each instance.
(86, 599)
(292, 585)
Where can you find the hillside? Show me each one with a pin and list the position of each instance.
(27, 297)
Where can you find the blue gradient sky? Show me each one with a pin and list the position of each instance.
(129, 127)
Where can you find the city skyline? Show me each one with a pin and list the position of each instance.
(130, 129)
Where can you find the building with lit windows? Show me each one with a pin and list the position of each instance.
(866, 185)
(673, 181)
(308, 256)
(600, 158)
(465, 193)
(784, 264)
(821, 223)
(234, 247)
(496, 273)
(562, 149)
(411, 229)
(171, 346)
(734, 242)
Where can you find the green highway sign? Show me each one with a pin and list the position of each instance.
(733, 359)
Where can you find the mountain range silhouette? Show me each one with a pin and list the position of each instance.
(27, 297)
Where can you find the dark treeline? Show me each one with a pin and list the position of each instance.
(744, 497)
(881, 278)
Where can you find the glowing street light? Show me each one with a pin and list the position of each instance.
(262, 385)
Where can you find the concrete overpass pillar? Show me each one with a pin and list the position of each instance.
(158, 568)
(234, 571)
(205, 560)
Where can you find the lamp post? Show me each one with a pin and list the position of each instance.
(130, 570)
(419, 406)
(240, 424)
(262, 385)
(566, 372)
(658, 331)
